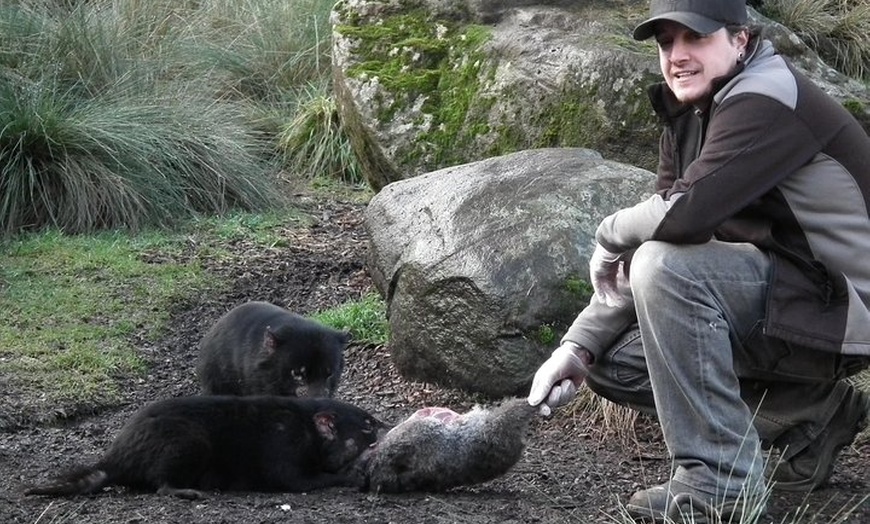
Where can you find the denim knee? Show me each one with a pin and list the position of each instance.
(646, 266)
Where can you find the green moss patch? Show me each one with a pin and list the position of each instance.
(434, 64)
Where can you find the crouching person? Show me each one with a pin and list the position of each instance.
(735, 301)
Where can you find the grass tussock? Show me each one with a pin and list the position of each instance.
(314, 143)
(264, 49)
(123, 159)
(131, 113)
(839, 30)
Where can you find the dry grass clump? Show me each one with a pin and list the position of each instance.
(839, 30)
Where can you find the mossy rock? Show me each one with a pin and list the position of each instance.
(423, 88)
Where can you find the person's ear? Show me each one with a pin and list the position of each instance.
(743, 41)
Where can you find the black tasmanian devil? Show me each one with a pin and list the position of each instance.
(259, 348)
(186, 445)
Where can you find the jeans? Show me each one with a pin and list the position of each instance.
(689, 349)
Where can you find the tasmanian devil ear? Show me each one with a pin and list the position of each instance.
(324, 421)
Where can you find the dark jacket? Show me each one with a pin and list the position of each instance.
(778, 163)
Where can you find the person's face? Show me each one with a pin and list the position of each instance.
(691, 61)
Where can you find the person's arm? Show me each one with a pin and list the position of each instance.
(752, 144)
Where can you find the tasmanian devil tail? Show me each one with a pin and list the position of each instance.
(79, 482)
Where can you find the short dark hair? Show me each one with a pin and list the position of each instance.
(754, 30)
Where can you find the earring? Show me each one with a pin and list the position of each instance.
(740, 56)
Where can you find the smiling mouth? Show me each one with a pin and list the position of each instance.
(685, 74)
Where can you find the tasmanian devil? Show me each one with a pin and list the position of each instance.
(259, 348)
(436, 449)
(185, 445)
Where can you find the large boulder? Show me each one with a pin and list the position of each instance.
(425, 84)
(485, 265)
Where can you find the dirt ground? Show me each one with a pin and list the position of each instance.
(574, 469)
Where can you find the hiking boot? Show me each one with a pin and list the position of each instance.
(813, 466)
(679, 503)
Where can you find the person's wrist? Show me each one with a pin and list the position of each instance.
(585, 356)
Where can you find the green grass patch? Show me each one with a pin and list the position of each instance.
(366, 319)
(359, 193)
(72, 305)
(260, 228)
(75, 307)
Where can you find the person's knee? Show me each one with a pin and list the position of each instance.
(659, 266)
(647, 266)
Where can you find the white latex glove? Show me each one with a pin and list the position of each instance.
(556, 381)
(605, 271)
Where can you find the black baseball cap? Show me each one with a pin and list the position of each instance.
(701, 16)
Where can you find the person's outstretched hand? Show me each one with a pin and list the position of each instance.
(557, 380)
(605, 272)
